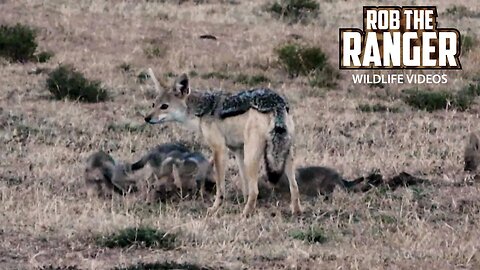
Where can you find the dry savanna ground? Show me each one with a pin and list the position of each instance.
(48, 222)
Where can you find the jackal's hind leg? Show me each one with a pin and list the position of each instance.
(239, 158)
(253, 151)
(292, 181)
(219, 160)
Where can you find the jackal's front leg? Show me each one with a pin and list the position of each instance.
(219, 161)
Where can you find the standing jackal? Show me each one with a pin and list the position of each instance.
(253, 124)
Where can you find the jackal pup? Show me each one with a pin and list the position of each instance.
(315, 180)
(175, 167)
(103, 175)
(472, 153)
(254, 124)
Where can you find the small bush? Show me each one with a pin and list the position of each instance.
(459, 11)
(17, 43)
(311, 235)
(301, 60)
(427, 100)
(376, 108)
(142, 77)
(251, 80)
(44, 56)
(142, 236)
(163, 266)
(294, 11)
(65, 82)
(307, 61)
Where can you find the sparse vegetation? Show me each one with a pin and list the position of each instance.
(140, 237)
(163, 266)
(311, 235)
(468, 43)
(216, 75)
(17, 43)
(252, 80)
(441, 100)
(377, 107)
(66, 82)
(294, 11)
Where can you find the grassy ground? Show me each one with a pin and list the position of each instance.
(47, 221)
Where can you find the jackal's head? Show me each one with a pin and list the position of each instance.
(170, 103)
(472, 153)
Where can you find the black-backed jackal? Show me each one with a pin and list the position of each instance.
(253, 124)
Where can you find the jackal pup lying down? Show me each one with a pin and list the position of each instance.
(255, 125)
(174, 168)
(312, 181)
(103, 175)
(472, 153)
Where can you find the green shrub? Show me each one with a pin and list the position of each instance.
(428, 100)
(311, 235)
(294, 11)
(17, 43)
(142, 77)
(325, 77)
(141, 236)
(163, 266)
(307, 61)
(65, 82)
(44, 56)
(301, 60)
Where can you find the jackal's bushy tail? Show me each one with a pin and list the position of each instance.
(140, 164)
(277, 147)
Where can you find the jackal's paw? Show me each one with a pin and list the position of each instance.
(247, 211)
(296, 209)
(211, 211)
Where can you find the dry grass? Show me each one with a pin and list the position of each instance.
(46, 219)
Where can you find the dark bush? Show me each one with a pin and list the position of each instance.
(17, 43)
(65, 82)
(44, 56)
(142, 236)
(294, 11)
(142, 77)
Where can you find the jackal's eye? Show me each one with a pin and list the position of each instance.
(164, 107)
(153, 105)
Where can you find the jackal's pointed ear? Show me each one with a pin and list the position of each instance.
(181, 86)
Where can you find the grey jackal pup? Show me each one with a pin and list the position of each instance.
(315, 180)
(254, 124)
(175, 167)
(472, 153)
(103, 175)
